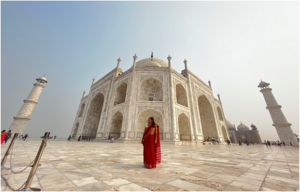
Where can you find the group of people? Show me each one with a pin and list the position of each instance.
(246, 142)
(5, 136)
(86, 138)
(275, 143)
(23, 137)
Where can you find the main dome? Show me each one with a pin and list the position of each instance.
(154, 63)
(243, 127)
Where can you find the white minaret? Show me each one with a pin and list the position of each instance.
(282, 126)
(23, 116)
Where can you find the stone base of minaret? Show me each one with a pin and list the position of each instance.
(18, 125)
(286, 134)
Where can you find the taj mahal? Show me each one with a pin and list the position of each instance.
(120, 103)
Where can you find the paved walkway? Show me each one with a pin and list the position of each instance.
(93, 166)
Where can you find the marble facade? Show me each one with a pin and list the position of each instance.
(120, 103)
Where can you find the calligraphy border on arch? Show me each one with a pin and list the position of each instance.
(177, 81)
(180, 111)
(122, 81)
(121, 110)
(159, 77)
(101, 90)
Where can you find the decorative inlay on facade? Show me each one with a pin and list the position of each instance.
(159, 77)
(144, 108)
(100, 83)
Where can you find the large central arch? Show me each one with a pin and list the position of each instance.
(116, 125)
(143, 121)
(184, 127)
(93, 116)
(207, 118)
(151, 90)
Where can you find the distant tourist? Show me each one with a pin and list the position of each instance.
(218, 141)
(228, 142)
(283, 143)
(203, 142)
(112, 139)
(291, 143)
(3, 135)
(87, 138)
(20, 137)
(240, 142)
(54, 137)
(25, 137)
(79, 138)
(8, 135)
(69, 138)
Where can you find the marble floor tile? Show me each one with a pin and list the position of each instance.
(189, 186)
(95, 166)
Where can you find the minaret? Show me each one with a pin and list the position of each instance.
(282, 126)
(23, 116)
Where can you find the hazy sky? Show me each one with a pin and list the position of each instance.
(233, 44)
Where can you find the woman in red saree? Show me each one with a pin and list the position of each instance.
(151, 142)
(3, 135)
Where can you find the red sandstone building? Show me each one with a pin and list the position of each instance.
(243, 133)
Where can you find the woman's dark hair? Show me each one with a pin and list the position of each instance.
(153, 122)
(3, 131)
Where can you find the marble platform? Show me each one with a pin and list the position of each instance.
(94, 166)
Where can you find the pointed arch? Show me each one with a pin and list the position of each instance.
(81, 110)
(225, 136)
(181, 95)
(184, 127)
(116, 125)
(74, 132)
(93, 116)
(151, 90)
(208, 122)
(143, 120)
(220, 114)
(121, 94)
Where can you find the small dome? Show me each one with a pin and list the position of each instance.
(229, 125)
(42, 79)
(263, 84)
(154, 62)
(243, 127)
(253, 127)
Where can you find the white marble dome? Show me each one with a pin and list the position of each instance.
(229, 125)
(154, 63)
(243, 127)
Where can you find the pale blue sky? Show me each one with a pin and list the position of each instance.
(233, 44)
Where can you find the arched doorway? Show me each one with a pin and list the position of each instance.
(81, 110)
(75, 130)
(224, 133)
(121, 94)
(151, 90)
(220, 114)
(207, 118)
(116, 125)
(184, 127)
(93, 116)
(181, 95)
(143, 121)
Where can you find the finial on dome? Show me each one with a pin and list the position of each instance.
(209, 83)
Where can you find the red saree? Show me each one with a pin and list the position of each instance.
(3, 135)
(152, 151)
